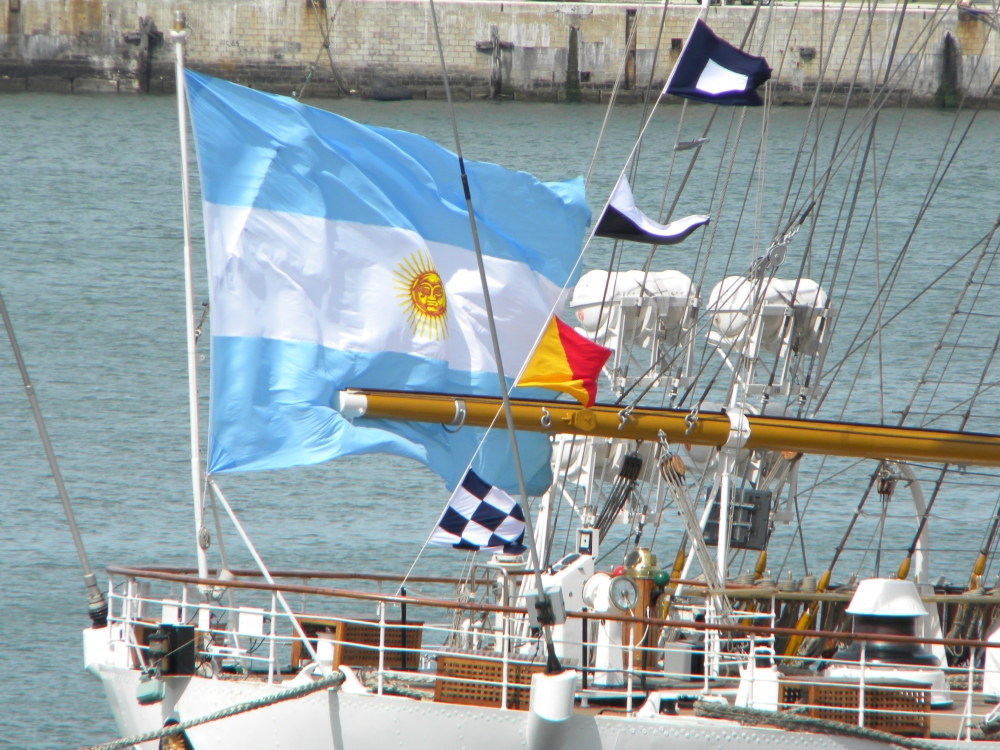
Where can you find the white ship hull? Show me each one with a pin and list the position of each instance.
(337, 720)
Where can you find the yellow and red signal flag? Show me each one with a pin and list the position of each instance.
(566, 361)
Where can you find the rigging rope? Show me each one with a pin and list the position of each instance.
(911, 57)
(614, 96)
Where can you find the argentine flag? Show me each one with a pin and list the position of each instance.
(340, 256)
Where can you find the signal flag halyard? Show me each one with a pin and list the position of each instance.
(566, 361)
(712, 70)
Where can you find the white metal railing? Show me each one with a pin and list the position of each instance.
(250, 637)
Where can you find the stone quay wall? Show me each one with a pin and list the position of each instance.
(549, 51)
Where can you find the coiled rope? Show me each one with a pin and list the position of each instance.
(333, 681)
(796, 723)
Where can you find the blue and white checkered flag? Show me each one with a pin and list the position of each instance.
(480, 517)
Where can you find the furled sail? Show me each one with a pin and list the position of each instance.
(340, 256)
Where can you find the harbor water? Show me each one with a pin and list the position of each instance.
(91, 270)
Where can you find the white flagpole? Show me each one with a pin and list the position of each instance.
(179, 35)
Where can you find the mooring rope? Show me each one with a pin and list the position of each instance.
(333, 681)
(795, 722)
(391, 685)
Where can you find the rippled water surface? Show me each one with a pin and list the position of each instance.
(90, 266)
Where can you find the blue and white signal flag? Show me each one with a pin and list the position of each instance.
(622, 220)
(480, 517)
(712, 70)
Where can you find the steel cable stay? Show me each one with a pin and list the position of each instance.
(812, 108)
(850, 215)
(967, 319)
(934, 186)
(877, 531)
(941, 476)
(939, 177)
(864, 235)
(950, 412)
(876, 191)
(954, 312)
(856, 345)
(897, 264)
(816, 192)
(881, 98)
(867, 340)
(921, 524)
(923, 520)
(711, 236)
(951, 354)
(614, 96)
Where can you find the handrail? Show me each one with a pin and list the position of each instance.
(446, 604)
(734, 591)
(318, 574)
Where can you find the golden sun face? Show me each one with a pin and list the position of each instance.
(421, 295)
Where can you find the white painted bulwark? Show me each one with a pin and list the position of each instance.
(337, 719)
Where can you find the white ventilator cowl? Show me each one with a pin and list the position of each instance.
(886, 597)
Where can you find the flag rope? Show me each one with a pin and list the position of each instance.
(543, 604)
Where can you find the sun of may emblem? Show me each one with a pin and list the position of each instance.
(421, 295)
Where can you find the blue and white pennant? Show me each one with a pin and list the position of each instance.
(480, 517)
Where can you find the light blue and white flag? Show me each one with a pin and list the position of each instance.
(340, 256)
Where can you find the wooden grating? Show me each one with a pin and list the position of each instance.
(466, 677)
(356, 643)
(899, 708)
